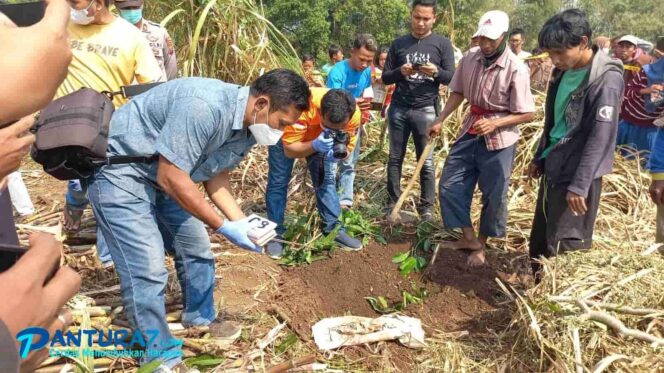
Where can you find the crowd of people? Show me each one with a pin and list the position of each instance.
(600, 93)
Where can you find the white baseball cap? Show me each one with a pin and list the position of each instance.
(493, 24)
(630, 39)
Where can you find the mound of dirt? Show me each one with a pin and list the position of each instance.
(338, 286)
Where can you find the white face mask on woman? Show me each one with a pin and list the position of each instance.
(80, 16)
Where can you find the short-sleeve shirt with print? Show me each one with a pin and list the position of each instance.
(107, 57)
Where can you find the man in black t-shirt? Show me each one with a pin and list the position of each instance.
(418, 63)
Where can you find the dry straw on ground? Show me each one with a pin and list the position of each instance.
(566, 324)
(542, 333)
(594, 311)
(558, 326)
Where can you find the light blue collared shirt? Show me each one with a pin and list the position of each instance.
(195, 123)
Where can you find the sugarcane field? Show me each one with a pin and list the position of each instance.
(231, 186)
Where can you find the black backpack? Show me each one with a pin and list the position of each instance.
(72, 133)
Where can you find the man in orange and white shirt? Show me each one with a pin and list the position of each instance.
(318, 136)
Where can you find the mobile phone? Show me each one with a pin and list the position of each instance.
(417, 65)
(23, 12)
(10, 254)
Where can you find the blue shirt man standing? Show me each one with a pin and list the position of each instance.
(353, 75)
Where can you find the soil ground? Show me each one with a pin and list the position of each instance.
(459, 299)
(251, 286)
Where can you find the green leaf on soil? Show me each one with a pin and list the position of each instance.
(286, 344)
(203, 361)
(426, 245)
(149, 367)
(421, 263)
(554, 307)
(380, 305)
(383, 302)
(407, 266)
(399, 258)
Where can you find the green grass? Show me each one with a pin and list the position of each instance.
(230, 39)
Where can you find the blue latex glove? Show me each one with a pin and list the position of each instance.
(236, 232)
(322, 144)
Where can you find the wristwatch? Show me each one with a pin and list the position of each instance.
(435, 75)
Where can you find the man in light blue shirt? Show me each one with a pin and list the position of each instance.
(200, 129)
(353, 75)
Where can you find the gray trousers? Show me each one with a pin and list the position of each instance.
(470, 164)
(555, 228)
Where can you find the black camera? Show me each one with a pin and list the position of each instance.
(341, 141)
(23, 13)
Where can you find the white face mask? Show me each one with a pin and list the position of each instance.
(263, 133)
(81, 17)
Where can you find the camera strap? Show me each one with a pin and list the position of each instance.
(129, 91)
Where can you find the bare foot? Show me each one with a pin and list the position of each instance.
(462, 244)
(476, 259)
(71, 220)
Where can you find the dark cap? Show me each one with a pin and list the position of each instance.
(121, 4)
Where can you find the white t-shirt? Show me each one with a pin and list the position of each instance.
(523, 55)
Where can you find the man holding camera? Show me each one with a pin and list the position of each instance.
(418, 63)
(324, 134)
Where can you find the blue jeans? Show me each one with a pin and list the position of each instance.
(641, 138)
(470, 163)
(77, 199)
(138, 234)
(347, 174)
(278, 177)
(76, 196)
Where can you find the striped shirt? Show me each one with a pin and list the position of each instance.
(503, 89)
(633, 106)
